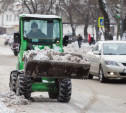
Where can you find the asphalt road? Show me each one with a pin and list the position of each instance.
(88, 96)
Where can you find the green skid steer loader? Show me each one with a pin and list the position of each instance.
(43, 76)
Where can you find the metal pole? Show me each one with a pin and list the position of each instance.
(118, 29)
(59, 8)
(97, 30)
(121, 19)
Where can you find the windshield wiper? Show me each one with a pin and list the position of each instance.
(109, 54)
(122, 54)
(25, 37)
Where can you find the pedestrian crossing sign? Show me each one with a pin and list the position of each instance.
(101, 22)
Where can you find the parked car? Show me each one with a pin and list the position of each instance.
(124, 36)
(8, 40)
(108, 60)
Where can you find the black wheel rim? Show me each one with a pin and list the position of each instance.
(100, 75)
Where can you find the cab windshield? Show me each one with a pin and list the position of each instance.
(41, 30)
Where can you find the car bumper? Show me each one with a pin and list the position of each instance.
(114, 72)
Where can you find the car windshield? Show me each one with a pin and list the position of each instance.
(41, 30)
(114, 49)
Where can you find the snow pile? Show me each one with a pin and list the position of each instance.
(4, 109)
(47, 54)
(5, 51)
(11, 99)
(73, 48)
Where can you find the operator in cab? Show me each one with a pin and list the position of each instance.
(35, 32)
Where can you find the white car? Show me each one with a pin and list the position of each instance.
(108, 60)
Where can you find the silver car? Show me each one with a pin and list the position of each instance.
(108, 60)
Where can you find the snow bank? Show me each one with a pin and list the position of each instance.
(47, 54)
(5, 51)
(73, 48)
(4, 109)
(9, 98)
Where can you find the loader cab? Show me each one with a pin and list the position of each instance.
(40, 30)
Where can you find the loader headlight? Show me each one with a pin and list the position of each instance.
(111, 63)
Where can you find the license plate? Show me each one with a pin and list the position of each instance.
(124, 71)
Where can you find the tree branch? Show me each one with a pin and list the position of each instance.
(27, 7)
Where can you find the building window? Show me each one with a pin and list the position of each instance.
(10, 17)
(7, 17)
(15, 17)
(2, 19)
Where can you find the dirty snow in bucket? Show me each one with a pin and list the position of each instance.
(47, 54)
(9, 98)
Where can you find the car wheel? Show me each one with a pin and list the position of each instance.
(102, 79)
(90, 76)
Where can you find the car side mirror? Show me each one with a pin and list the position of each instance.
(97, 52)
(17, 37)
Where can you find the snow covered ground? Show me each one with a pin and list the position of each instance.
(8, 99)
(74, 48)
(4, 109)
(5, 51)
(88, 96)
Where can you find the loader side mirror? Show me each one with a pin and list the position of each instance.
(17, 37)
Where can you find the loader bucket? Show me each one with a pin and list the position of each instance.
(56, 69)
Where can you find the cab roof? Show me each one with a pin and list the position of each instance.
(39, 16)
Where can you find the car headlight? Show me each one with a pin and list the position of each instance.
(111, 63)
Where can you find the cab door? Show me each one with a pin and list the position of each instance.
(95, 59)
(92, 59)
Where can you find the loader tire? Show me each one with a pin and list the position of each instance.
(13, 79)
(90, 76)
(65, 89)
(23, 86)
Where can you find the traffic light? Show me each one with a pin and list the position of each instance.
(118, 10)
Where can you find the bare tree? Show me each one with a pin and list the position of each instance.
(109, 10)
(67, 7)
(5, 4)
(103, 8)
(86, 11)
(38, 6)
